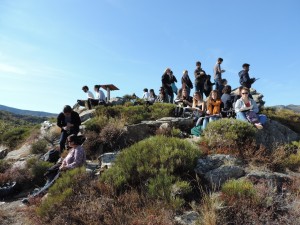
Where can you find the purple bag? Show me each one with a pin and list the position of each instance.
(252, 117)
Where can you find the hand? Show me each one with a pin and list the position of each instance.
(222, 71)
(208, 112)
(65, 128)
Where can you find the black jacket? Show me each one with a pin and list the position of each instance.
(75, 120)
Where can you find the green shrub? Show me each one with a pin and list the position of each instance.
(159, 160)
(39, 147)
(292, 161)
(93, 145)
(62, 189)
(15, 136)
(132, 114)
(234, 189)
(97, 123)
(228, 132)
(37, 169)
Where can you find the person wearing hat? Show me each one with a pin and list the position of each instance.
(245, 79)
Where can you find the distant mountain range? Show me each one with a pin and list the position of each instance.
(295, 108)
(26, 112)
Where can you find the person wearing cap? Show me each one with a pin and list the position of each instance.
(218, 73)
(245, 79)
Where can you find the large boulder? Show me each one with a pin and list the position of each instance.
(274, 134)
(217, 169)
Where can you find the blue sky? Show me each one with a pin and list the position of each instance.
(49, 49)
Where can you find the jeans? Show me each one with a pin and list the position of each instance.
(207, 120)
(217, 83)
(242, 116)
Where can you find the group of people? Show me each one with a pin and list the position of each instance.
(91, 101)
(219, 101)
(69, 122)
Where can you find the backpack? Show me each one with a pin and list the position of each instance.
(252, 117)
(196, 130)
(51, 156)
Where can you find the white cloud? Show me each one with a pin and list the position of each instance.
(5, 68)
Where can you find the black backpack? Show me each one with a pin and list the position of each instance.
(51, 156)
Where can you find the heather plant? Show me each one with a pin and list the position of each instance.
(97, 123)
(113, 136)
(37, 169)
(133, 114)
(39, 146)
(159, 162)
(230, 133)
(234, 189)
(62, 189)
(93, 145)
(15, 136)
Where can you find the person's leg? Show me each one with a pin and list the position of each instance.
(171, 98)
(62, 141)
(262, 118)
(205, 122)
(241, 116)
(81, 103)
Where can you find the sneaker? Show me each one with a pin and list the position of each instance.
(258, 126)
(25, 201)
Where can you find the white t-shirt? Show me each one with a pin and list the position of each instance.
(90, 94)
(146, 96)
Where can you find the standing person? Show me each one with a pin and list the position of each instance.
(208, 86)
(166, 83)
(245, 79)
(69, 122)
(173, 80)
(218, 73)
(200, 77)
(186, 82)
(213, 108)
(89, 96)
(246, 109)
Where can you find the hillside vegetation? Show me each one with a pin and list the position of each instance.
(14, 129)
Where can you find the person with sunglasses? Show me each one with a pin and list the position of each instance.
(75, 158)
(246, 109)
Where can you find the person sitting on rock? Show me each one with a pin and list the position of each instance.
(223, 83)
(239, 95)
(182, 101)
(162, 96)
(198, 106)
(227, 100)
(246, 109)
(75, 158)
(69, 122)
(89, 97)
(100, 96)
(214, 105)
(208, 86)
(146, 94)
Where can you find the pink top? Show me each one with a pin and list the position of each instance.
(75, 158)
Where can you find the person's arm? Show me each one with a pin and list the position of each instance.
(255, 107)
(174, 79)
(238, 105)
(60, 120)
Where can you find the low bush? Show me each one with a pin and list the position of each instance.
(97, 123)
(235, 189)
(230, 133)
(292, 161)
(62, 189)
(113, 136)
(132, 114)
(39, 147)
(15, 136)
(93, 145)
(37, 169)
(154, 164)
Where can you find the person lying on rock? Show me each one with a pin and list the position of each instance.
(75, 158)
